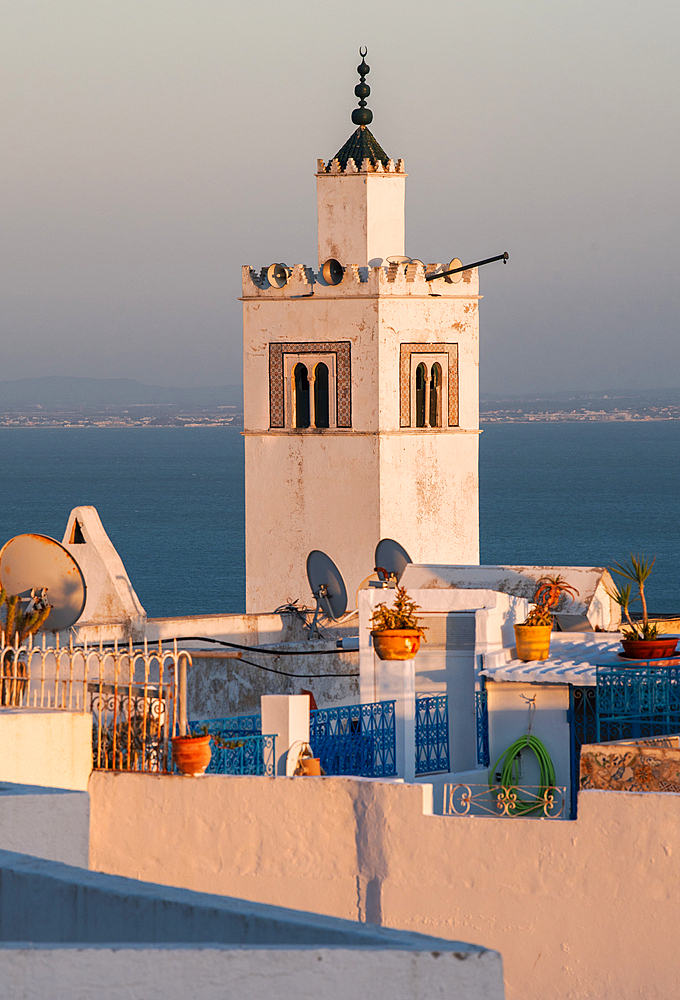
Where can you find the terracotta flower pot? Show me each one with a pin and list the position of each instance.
(191, 754)
(650, 649)
(532, 642)
(396, 643)
(310, 765)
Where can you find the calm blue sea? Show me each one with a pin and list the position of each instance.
(171, 500)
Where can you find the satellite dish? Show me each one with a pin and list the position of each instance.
(332, 271)
(328, 588)
(398, 260)
(31, 563)
(391, 559)
(278, 275)
(453, 279)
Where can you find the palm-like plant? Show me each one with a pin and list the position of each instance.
(637, 571)
(401, 615)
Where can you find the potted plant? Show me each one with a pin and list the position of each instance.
(641, 639)
(16, 628)
(191, 752)
(396, 630)
(532, 637)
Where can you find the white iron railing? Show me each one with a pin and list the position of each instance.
(137, 696)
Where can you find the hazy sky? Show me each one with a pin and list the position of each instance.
(151, 147)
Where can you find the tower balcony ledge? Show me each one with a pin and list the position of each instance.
(397, 280)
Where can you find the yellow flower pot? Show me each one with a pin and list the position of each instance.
(532, 641)
(396, 643)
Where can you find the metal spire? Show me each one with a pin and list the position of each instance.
(362, 115)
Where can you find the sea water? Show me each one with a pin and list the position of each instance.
(171, 499)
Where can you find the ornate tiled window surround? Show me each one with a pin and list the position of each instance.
(405, 379)
(343, 361)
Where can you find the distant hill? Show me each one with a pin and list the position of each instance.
(56, 392)
(608, 397)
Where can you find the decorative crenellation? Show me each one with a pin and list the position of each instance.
(397, 278)
(367, 167)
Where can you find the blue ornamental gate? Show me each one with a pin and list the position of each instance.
(355, 739)
(432, 734)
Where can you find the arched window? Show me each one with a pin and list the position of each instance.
(310, 391)
(321, 405)
(427, 377)
(421, 383)
(301, 387)
(436, 395)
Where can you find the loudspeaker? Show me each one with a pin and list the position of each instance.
(332, 271)
(278, 275)
(453, 279)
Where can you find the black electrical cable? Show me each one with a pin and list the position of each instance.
(236, 645)
(305, 677)
(251, 649)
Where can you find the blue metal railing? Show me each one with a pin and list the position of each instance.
(239, 747)
(355, 739)
(636, 702)
(432, 734)
(239, 725)
(482, 716)
(582, 729)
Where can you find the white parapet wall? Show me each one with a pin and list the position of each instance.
(213, 972)
(115, 938)
(46, 747)
(49, 823)
(584, 908)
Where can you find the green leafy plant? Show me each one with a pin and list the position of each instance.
(550, 589)
(20, 624)
(219, 741)
(538, 616)
(637, 571)
(401, 615)
(17, 626)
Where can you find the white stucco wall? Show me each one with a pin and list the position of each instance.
(45, 747)
(111, 599)
(509, 718)
(584, 909)
(360, 216)
(48, 823)
(167, 972)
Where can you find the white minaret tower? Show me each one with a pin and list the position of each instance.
(361, 391)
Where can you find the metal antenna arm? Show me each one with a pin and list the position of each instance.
(467, 267)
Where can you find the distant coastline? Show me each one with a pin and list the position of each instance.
(621, 416)
(15, 421)
(594, 407)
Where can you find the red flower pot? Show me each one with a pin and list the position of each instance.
(191, 754)
(650, 649)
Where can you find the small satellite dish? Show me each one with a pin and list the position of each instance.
(32, 563)
(278, 275)
(453, 279)
(332, 271)
(414, 260)
(391, 559)
(398, 260)
(328, 588)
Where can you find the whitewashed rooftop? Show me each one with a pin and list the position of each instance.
(572, 660)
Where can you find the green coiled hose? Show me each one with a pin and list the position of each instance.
(508, 765)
